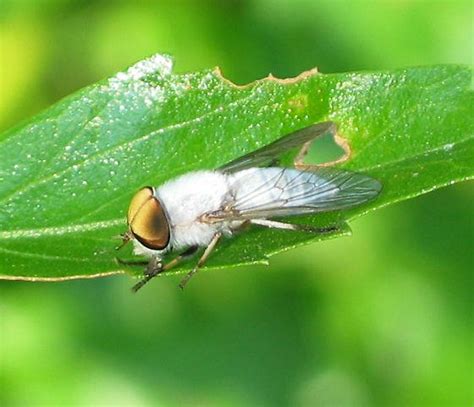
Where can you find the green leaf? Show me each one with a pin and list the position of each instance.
(68, 174)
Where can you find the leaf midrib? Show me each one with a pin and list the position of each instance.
(49, 257)
(60, 230)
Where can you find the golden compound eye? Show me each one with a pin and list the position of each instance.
(138, 200)
(147, 220)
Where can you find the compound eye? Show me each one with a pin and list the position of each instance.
(138, 200)
(147, 220)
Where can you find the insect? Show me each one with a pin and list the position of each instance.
(197, 209)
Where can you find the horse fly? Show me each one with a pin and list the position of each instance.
(198, 208)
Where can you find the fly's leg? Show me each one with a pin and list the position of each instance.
(201, 261)
(298, 162)
(155, 267)
(187, 253)
(291, 226)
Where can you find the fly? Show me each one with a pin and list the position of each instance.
(197, 209)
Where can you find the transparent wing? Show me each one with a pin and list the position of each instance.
(267, 154)
(268, 192)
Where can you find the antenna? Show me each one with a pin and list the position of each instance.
(126, 237)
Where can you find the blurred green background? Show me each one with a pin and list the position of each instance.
(384, 318)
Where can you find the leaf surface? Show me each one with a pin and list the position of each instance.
(68, 174)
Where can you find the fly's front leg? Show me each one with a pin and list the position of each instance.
(202, 260)
(155, 267)
(187, 253)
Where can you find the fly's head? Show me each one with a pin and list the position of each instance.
(147, 222)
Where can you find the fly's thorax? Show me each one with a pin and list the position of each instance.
(186, 199)
(191, 195)
(148, 221)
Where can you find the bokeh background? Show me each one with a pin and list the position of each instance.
(384, 318)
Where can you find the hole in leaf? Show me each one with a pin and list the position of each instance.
(327, 150)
